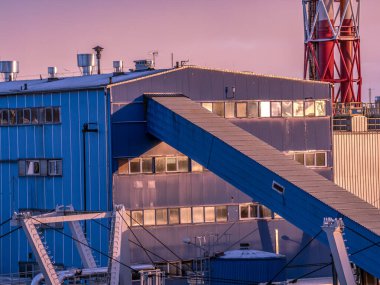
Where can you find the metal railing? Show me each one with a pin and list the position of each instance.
(356, 108)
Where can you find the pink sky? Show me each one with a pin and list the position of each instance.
(257, 35)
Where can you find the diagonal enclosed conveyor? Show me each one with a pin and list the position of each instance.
(298, 194)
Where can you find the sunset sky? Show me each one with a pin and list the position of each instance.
(256, 35)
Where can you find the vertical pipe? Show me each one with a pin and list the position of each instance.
(277, 242)
(326, 48)
(346, 45)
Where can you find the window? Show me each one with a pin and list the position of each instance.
(149, 217)
(287, 108)
(48, 115)
(275, 109)
(264, 212)
(123, 166)
(32, 167)
(183, 163)
(196, 167)
(27, 118)
(309, 108)
(218, 108)
(135, 165)
(253, 109)
(198, 215)
(185, 214)
(137, 218)
(320, 158)
(4, 117)
(12, 117)
(230, 110)
(241, 109)
(34, 113)
(207, 106)
(320, 108)
(299, 157)
(54, 167)
(310, 159)
(147, 165)
(265, 109)
(221, 213)
(160, 164)
(298, 108)
(161, 216)
(171, 164)
(248, 211)
(209, 214)
(20, 117)
(174, 216)
(56, 115)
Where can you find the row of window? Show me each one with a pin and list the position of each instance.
(254, 211)
(159, 164)
(311, 158)
(30, 116)
(40, 167)
(267, 109)
(175, 216)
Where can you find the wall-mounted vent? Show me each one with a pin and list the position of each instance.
(278, 187)
(143, 64)
(86, 62)
(10, 69)
(118, 67)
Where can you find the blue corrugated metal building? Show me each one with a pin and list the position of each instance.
(78, 137)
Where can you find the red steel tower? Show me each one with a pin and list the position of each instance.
(332, 46)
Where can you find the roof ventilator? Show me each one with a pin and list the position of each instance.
(86, 63)
(52, 71)
(117, 67)
(9, 68)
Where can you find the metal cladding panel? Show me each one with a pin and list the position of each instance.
(249, 169)
(53, 141)
(251, 271)
(357, 164)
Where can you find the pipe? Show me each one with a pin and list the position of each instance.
(326, 48)
(346, 45)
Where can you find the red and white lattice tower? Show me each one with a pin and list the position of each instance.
(332, 46)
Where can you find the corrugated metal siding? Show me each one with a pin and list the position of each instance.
(61, 141)
(357, 164)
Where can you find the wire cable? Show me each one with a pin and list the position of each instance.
(294, 257)
(311, 272)
(8, 233)
(4, 222)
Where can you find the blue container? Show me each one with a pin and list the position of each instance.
(247, 266)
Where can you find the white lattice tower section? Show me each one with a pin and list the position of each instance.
(39, 250)
(115, 245)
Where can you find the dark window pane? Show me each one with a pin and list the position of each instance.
(48, 115)
(41, 115)
(34, 116)
(12, 117)
(265, 212)
(253, 211)
(26, 116)
(253, 109)
(147, 165)
(244, 212)
(299, 157)
(20, 116)
(218, 108)
(160, 164)
(4, 117)
(56, 115)
(135, 165)
(174, 216)
(32, 167)
(171, 164)
(321, 158)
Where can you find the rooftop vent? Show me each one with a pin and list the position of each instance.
(52, 71)
(143, 64)
(117, 67)
(86, 62)
(9, 68)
